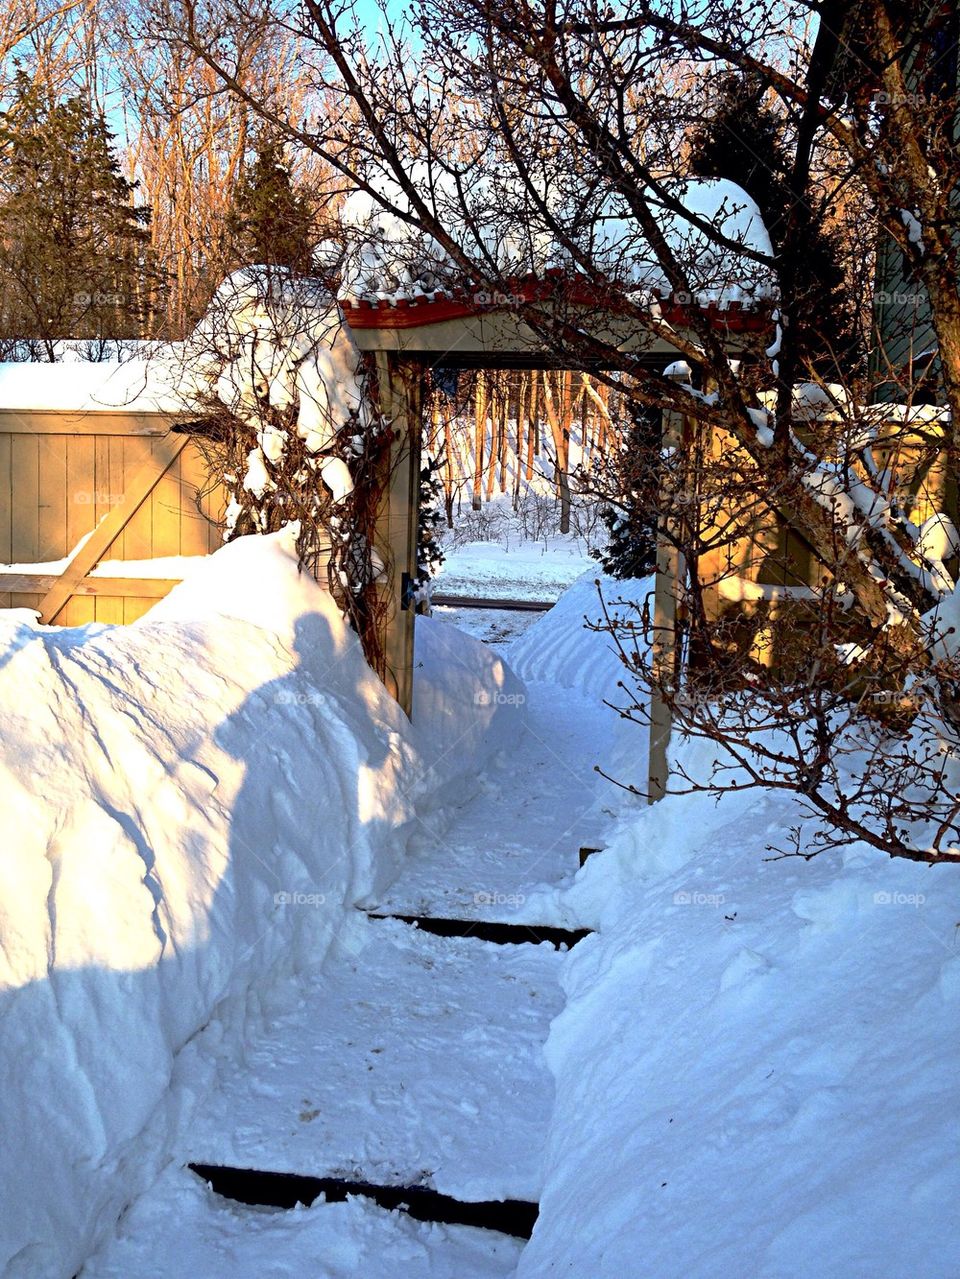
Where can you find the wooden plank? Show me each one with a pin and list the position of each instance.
(109, 609)
(471, 601)
(138, 490)
(60, 422)
(52, 498)
(201, 522)
(25, 489)
(151, 588)
(81, 516)
(165, 503)
(6, 502)
(26, 601)
(137, 539)
(134, 609)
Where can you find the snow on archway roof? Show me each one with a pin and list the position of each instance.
(388, 260)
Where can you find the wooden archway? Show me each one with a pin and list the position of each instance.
(405, 338)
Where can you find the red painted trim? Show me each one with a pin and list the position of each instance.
(410, 313)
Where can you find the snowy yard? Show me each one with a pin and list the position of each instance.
(746, 1070)
(479, 640)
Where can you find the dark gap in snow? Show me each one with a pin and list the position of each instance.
(287, 1190)
(492, 930)
(508, 606)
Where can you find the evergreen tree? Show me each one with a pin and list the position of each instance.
(630, 514)
(269, 222)
(75, 256)
(743, 141)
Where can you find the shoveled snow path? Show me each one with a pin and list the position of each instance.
(522, 834)
(182, 1230)
(415, 1060)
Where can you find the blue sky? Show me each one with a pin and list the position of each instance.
(369, 11)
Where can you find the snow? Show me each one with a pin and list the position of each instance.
(390, 260)
(762, 1050)
(517, 842)
(753, 1064)
(164, 567)
(167, 788)
(913, 228)
(752, 1071)
(352, 1082)
(212, 1238)
(814, 401)
(530, 570)
(938, 538)
(157, 384)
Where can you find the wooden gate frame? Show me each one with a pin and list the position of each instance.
(92, 550)
(157, 429)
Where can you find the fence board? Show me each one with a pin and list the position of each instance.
(24, 483)
(52, 498)
(166, 502)
(137, 541)
(110, 475)
(201, 521)
(81, 516)
(6, 482)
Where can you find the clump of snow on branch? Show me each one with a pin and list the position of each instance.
(286, 403)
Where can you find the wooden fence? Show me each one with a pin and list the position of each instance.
(121, 477)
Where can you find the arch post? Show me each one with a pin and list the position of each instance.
(400, 388)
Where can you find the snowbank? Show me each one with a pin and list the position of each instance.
(563, 649)
(191, 806)
(756, 1065)
(156, 383)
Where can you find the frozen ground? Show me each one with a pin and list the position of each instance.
(539, 804)
(521, 570)
(493, 626)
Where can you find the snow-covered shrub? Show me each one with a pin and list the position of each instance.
(290, 428)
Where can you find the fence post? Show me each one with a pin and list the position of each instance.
(667, 587)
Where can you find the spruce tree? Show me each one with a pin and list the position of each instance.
(269, 222)
(630, 479)
(743, 141)
(75, 255)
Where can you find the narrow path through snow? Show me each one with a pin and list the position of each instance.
(416, 1060)
(412, 1059)
(522, 834)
